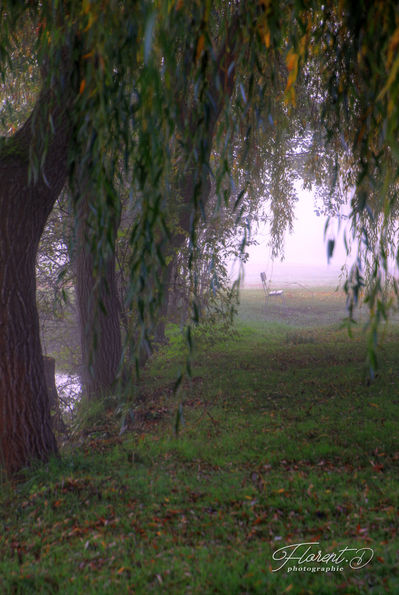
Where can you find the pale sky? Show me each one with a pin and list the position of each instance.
(305, 254)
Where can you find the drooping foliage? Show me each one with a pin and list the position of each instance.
(355, 57)
(163, 87)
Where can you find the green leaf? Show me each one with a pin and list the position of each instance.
(330, 249)
(148, 35)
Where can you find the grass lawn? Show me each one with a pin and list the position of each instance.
(281, 442)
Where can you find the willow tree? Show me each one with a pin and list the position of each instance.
(352, 60)
(214, 83)
(35, 163)
(113, 87)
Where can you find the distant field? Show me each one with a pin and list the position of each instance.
(286, 274)
(299, 306)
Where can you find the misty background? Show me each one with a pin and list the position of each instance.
(305, 252)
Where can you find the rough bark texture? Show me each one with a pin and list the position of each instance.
(99, 313)
(25, 429)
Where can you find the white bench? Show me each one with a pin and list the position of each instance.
(270, 293)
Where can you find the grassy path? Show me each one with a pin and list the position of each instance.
(282, 443)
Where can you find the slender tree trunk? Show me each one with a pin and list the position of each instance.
(185, 190)
(99, 313)
(220, 89)
(167, 275)
(25, 428)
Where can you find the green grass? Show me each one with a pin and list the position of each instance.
(283, 442)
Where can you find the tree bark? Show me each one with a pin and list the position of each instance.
(25, 427)
(99, 311)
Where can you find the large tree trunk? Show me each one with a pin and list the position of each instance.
(99, 312)
(25, 428)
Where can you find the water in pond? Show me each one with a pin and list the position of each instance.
(69, 390)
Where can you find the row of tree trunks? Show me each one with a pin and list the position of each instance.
(100, 326)
(25, 203)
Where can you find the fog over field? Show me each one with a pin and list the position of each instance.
(305, 254)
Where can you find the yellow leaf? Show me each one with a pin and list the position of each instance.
(266, 38)
(120, 570)
(292, 66)
(200, 46)
(392, 45)
(292, 60)
(90, 23)
(86, 6)
(302, 44)
(391, 78)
